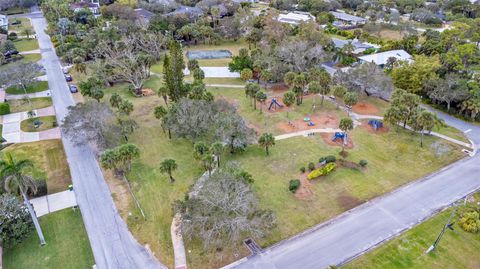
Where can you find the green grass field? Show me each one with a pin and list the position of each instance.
(387, 153)
(456, 250)
(25, 44)
(38, 86)
(47, 122)
(67, 245)
(20, 28)
(49, 162)
(24, 105)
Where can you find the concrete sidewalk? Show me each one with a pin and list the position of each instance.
(46, 93)
(53, 202)
(215, 72)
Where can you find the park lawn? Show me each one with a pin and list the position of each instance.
(23, 105)
(457, 249)
(38, 86)
(452, 132)
(19, 28)
(387, 153)
(265, 121)
(48, 122)
(214, 62)
(26, 44)
(224, 81)
(49, 160)
(67, 245)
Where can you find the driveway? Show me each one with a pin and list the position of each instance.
(354, 232)
(112, 243)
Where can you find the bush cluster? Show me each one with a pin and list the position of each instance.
(329, 167)
(294, 185)
(470, 222)
(4, 108)
(311, 166)
(363, 163)
(328, 159)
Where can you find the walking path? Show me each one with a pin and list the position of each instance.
(177, 240)
(12, 132)
(46, 93)
(37, 51)
(53, 202)
(226, 86)
(306, 133)
(215, 72)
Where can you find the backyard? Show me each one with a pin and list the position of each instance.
(457, 249)
(26, 44)
(19, 28)
(63, 230)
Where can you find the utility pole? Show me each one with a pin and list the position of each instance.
(448, 225)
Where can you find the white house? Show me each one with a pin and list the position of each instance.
(381, 58)
(295, 17)
(4, 21)
(93, 6)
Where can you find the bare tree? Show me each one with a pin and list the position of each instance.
(21, 75)
(91, 123)
(152, 43)
(129, 63)
(224, 210)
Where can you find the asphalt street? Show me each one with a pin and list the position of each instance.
(112, 243)
(354, 232)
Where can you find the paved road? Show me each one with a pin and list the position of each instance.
(112, 243)
(352, 233)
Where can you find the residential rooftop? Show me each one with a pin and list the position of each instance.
(382, 57)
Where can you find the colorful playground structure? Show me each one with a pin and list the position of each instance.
(308, 121)
(274, 104)
(376, 124)
(340, 135)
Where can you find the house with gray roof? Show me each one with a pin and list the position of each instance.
(144, 16)
(344, 19)
(359, 46)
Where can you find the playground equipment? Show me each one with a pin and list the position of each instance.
(310, 123)
(376, 124)
(340, 135)
(274, 104)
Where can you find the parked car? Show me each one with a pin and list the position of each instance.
(65, 70)
(10, 53)
(73, 88)
(68, 78)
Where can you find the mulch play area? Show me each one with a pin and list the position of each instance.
(327, 138)
(323, 120)
(365, 109)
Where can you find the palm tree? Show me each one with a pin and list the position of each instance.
(12, 173)
(346, 124)
(261, 97)
(426, 121)
(160, 112)
(348, 48)
(163, 92)
(339, 91)
(266, 140)
(167, 166)
(289, 78)
(315, 88)
(217, 150)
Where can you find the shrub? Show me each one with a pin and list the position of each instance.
(470, 222)
(294, 185)
(328, 159)
(363, 163)
(12, 36)
(302, 169)
(329, 167)
(311, 166)
(4, 108)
